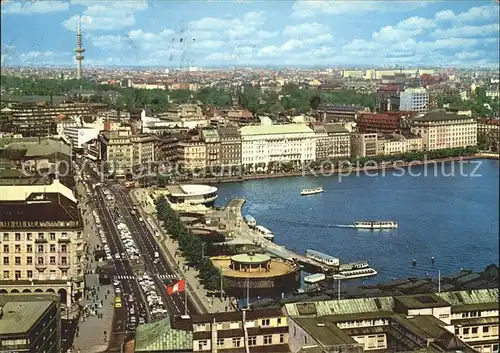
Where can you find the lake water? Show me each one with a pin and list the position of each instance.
(453, 218)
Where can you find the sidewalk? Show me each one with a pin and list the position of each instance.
(210, 304)
(97, 306)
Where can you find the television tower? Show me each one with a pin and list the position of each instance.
(79, 51)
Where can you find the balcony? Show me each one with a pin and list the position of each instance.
(40, 266)
(64, 240)
(61, 265)
(41, 240)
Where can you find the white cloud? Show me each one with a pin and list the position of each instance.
(467, 31)
(480, 13)
(37, 54)
(29, 7)
(466, 55)
(405, 29)
(305, 29)
(310, 8)
(106, 15)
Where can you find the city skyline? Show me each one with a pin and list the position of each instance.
(220, 34)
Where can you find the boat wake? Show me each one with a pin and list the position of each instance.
(344, 226)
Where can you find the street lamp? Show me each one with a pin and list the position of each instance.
(338, 277)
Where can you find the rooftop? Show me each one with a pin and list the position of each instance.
(22, 192)
(22, 311)
(420, 301)
(275, 129)
(441, 116)
(250, 258)
(160, 336)
(325, 332)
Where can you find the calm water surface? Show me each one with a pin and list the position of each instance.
(453, 218)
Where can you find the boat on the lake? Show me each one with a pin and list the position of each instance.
(314, 278)
(250, 221)
(363, 272)
(376, 225)
(311, 191)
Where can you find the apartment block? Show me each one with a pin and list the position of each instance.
(332, 141)
(192, 153)
(30, 322)
(398, 144)
(212, 147)
(42, 246)
(441, 130)
(415, 100)
(248, 331)
(230, 145)
(126, 152)
(364, 145)
(261, 145)
(465, 321)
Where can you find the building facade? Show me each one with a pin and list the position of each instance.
(364, 145)
(192, 153)
(415, 100)
(262, 145)
(398, 144)
(42, 246)
(230, 145)
(340, 140)
(126, 152)
(441, 130)
(212, 147)
(78, 136)
(30, 323)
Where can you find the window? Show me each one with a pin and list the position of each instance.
(252, 340)
(52, 248)
(40, 236)
(202, 345)
(52, 236)
(40, 260)
(18, 236)
(64, 273)
(268, 339)
(5, 260)
(466, 331)
(486, 329)
(40, 248)
(279, 321)
(265, 322)
(17, 248)
(17, 275)
(29, 260)
(52, 260)
(236, 342)
(6, 275)
(305, 339)
(282, 338)
(29, 236)
(29, 274)
(220, 342)
(29, 248)
(5, 236)
(64, 248)
(17, 260)
(495, 348)
(64, 260)
(6, 248)
(474, 330)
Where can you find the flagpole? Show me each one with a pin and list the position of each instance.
(185, 298)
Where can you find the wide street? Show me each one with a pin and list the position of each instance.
(153, 256)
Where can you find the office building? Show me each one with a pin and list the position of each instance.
(332, 141)
(230, 146)
(415, 100)
(398, 144)
(212, 147)
(364, 145)
(262, 145)
(441, 130)
(78, 136)
(30, 322)
(42, 246)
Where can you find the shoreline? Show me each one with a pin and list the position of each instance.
(329, 172)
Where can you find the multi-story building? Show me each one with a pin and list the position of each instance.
(191, 153)
(42, 245)
(445, 130)
(261, 145)
(465, 321)
(230, 145)
(343, 113)
(126, 152)
(387, 98)
(78, 136)
(364, 145)
(386, 123)
(248, 331)
(40, 119)
(212, 147)
(398, 144)
(415, 100)
(488, 132)
(332, 141)
(185, 115)
(340, 139)
(30, 322)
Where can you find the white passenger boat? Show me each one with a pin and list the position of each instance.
(314, 278)
(250, 221)
(376, 225)
(311, 191)
(323, 258)
(363, 272)
(266, 233)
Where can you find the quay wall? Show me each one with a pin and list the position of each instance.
(234, 179)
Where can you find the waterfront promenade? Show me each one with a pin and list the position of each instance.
(333, 171)
(204, 301)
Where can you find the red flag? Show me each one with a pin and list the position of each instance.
(178, 287)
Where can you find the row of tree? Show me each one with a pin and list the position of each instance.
(481, 105)
(190, 245)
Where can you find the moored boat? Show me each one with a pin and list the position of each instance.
(314, 278)
(266, 233)
(311, 191)
(375, 225)
(250, 221)
(363, 272)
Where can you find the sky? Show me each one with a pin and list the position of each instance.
(224, 33)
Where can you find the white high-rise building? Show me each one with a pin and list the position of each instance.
(415, 100)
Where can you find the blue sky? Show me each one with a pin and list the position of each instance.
(253, 33)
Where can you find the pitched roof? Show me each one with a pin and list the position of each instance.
(160, 336)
